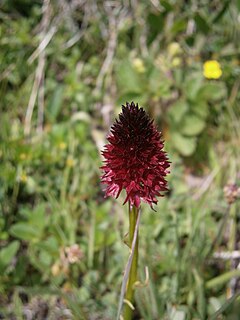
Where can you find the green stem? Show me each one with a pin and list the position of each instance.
(127, 313)
(232, 244)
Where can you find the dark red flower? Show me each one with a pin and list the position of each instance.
(134, 158)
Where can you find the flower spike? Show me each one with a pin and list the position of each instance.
(134, 158)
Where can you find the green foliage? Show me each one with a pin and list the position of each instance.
(96, 58)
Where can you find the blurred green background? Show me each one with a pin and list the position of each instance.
(66, 68)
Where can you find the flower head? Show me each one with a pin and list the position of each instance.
(134, 158)
(231, 192)
(212, 69)
(74, 253)
(138, 65)
(174, 49)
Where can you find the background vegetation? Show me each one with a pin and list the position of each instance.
(66, 68)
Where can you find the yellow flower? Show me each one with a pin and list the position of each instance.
(138, 65)
(174, 49)
(23, 156)
(56, 269)
(176, 62)
(23, 177)
(212, 69)
(62, 145)
(70, 162)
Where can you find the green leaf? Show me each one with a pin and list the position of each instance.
(193, 85)
(45, 258)
(179, 315)
(7, 253)
(55, 103)
(50, 245)
(24, 231)
(184, 145)
(131, 96)
(177, 110)
(212, 91)
(127, 79)
(221, 13)
(159, 85)
(167, 5)
(155, 24)
(201, 23)
(192, 125)
(38, 217)
(178, 26)
(200, 108)
(225, 306)
(201, 299)
(222, 279)
(214, 304)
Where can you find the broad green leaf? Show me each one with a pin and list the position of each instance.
(50, 245)
(159, 85)
(193, 85)
(127, 79)
(192, 125)
(177, 110)
(212, 91)
(184, 145)
(38, 217)
(24, 231)
(7, 253)
(200, 108)
(45, 258)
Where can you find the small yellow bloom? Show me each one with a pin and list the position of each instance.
(23, 156)
(174, 49)
(212, 69)
(62, 145)
(70, 162)
(23, 177)
(176, 62)
(138, 65)
(56, 269)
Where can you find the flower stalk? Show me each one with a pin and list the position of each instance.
(134, 161)
(133, 215)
